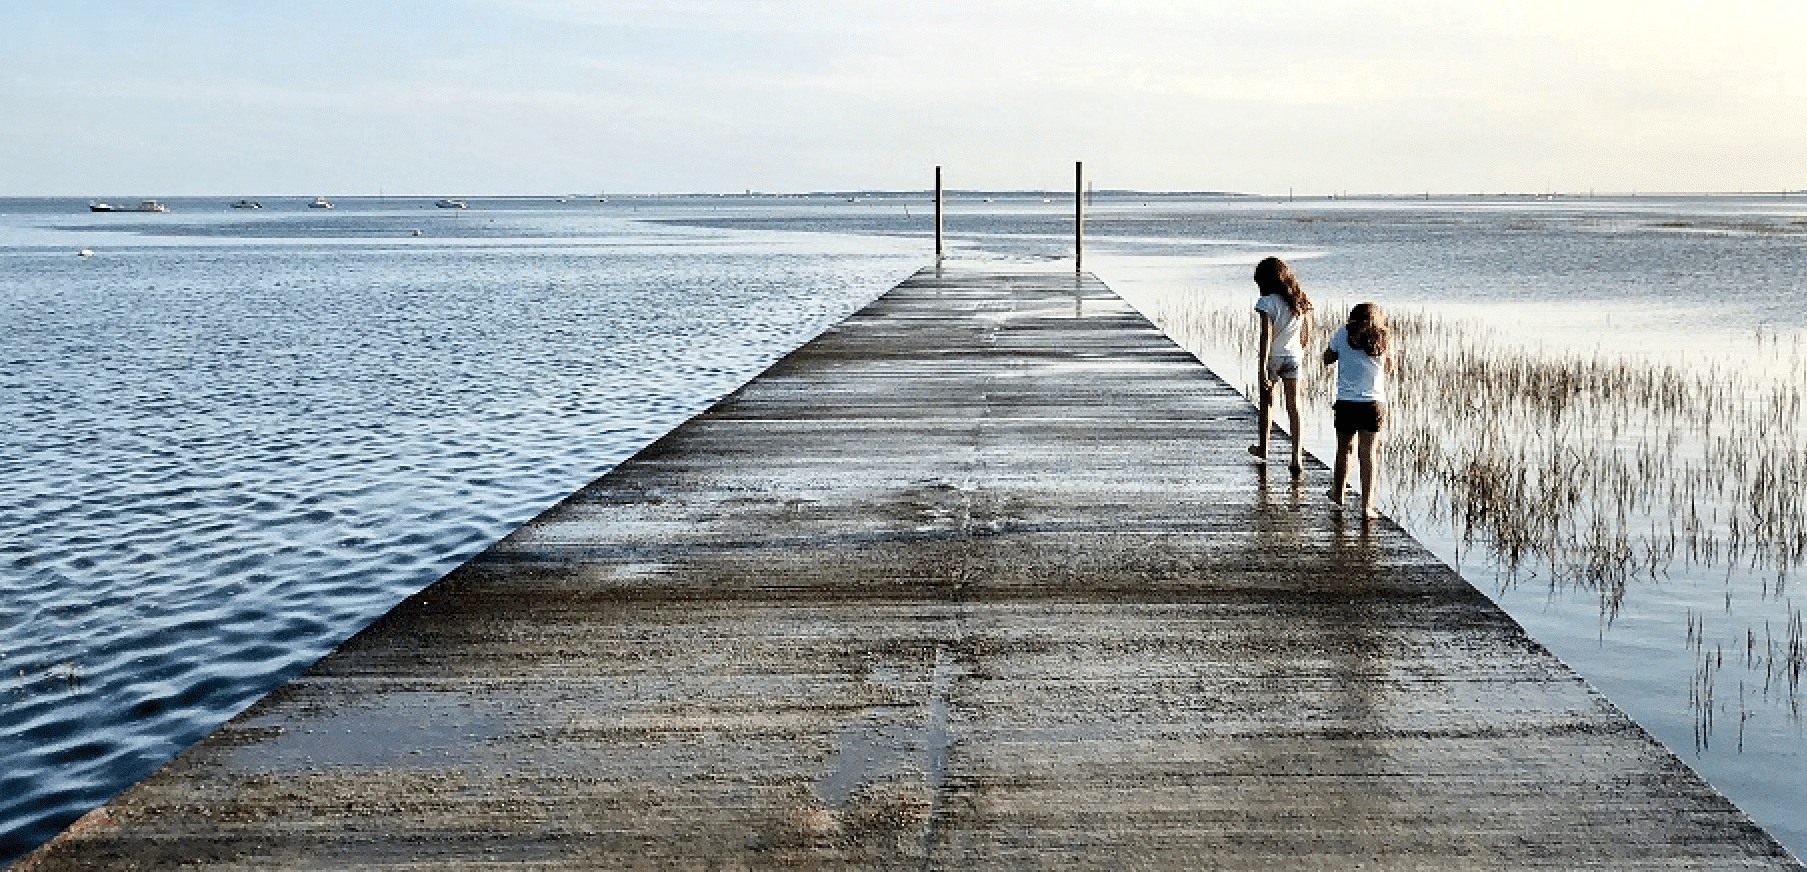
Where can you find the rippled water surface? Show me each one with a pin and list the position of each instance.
(232, 440)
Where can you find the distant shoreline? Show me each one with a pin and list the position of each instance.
(957, 193)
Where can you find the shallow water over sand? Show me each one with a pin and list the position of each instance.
(232, 441)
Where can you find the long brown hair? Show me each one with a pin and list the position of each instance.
(1273, 276)
(1368, 329)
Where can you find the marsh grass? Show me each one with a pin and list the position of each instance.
(1590, 470)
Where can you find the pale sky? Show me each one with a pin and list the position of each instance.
(122, 98)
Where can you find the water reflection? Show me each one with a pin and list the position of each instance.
(1333, 683)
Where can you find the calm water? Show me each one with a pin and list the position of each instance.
(236, 437)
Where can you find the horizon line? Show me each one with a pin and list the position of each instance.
(975, 192)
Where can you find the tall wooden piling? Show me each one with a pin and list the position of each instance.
(1079, 216)
(939, 250)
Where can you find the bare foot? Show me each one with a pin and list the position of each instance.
(1334, 497)
(1296, 468)
(1369, 513)
(1259, 452)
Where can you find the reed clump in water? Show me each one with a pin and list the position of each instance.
(1780, 660)
(1592, 469)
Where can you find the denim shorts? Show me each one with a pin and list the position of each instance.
(1282, 367)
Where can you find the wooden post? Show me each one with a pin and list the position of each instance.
(938, 246)
(1079, 216)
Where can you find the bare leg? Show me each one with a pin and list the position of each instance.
(1259, 449)
(1370, 442)
(1339, 471)
(1293, 419)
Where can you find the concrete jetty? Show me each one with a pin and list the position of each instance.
(981, 578)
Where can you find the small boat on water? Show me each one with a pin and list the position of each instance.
(143, 206)
(247, 204)
(449, 203)
(320, 203)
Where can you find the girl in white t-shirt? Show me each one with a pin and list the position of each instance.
(1363, 356)
(1284, 318)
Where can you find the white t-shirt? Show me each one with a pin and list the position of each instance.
(1287, 344)
(1359, 377)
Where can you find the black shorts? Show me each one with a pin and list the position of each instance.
(1354, 417)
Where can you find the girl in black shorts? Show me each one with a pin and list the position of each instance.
(1363, 358)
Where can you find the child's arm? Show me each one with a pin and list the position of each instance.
(1266, 345)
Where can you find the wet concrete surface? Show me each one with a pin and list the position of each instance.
(981, 578)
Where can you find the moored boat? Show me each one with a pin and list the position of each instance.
(143, 206)
(320, 203)
(247, 204)
(449, 203)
